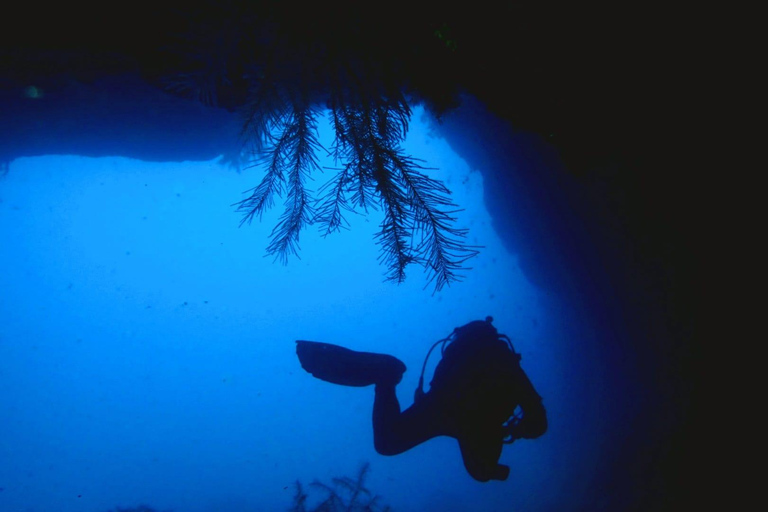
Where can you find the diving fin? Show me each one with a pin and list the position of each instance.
(340, 365)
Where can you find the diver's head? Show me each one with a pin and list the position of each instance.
(477, 329)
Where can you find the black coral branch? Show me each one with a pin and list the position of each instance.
(370, 118)
(289, 160)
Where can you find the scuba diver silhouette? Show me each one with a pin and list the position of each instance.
(478, 395)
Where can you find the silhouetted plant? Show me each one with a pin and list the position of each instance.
(343, 495)
(287, 84)
(370, 125)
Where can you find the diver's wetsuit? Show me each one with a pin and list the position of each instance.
(475, 390)
(476, 422)
(395, 432)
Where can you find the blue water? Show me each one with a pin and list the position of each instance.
(147, 347)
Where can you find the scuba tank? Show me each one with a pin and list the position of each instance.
(478, 372)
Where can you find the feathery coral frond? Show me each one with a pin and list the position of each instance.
(262, 64)
(290, 160)
(370, 118)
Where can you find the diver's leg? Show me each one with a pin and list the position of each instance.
(395, 432)
(481, 451)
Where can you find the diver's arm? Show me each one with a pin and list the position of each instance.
(534, 420)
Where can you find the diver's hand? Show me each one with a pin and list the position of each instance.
(528, 428)
(501, 472)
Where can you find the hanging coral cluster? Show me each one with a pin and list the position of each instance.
(288, 79)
